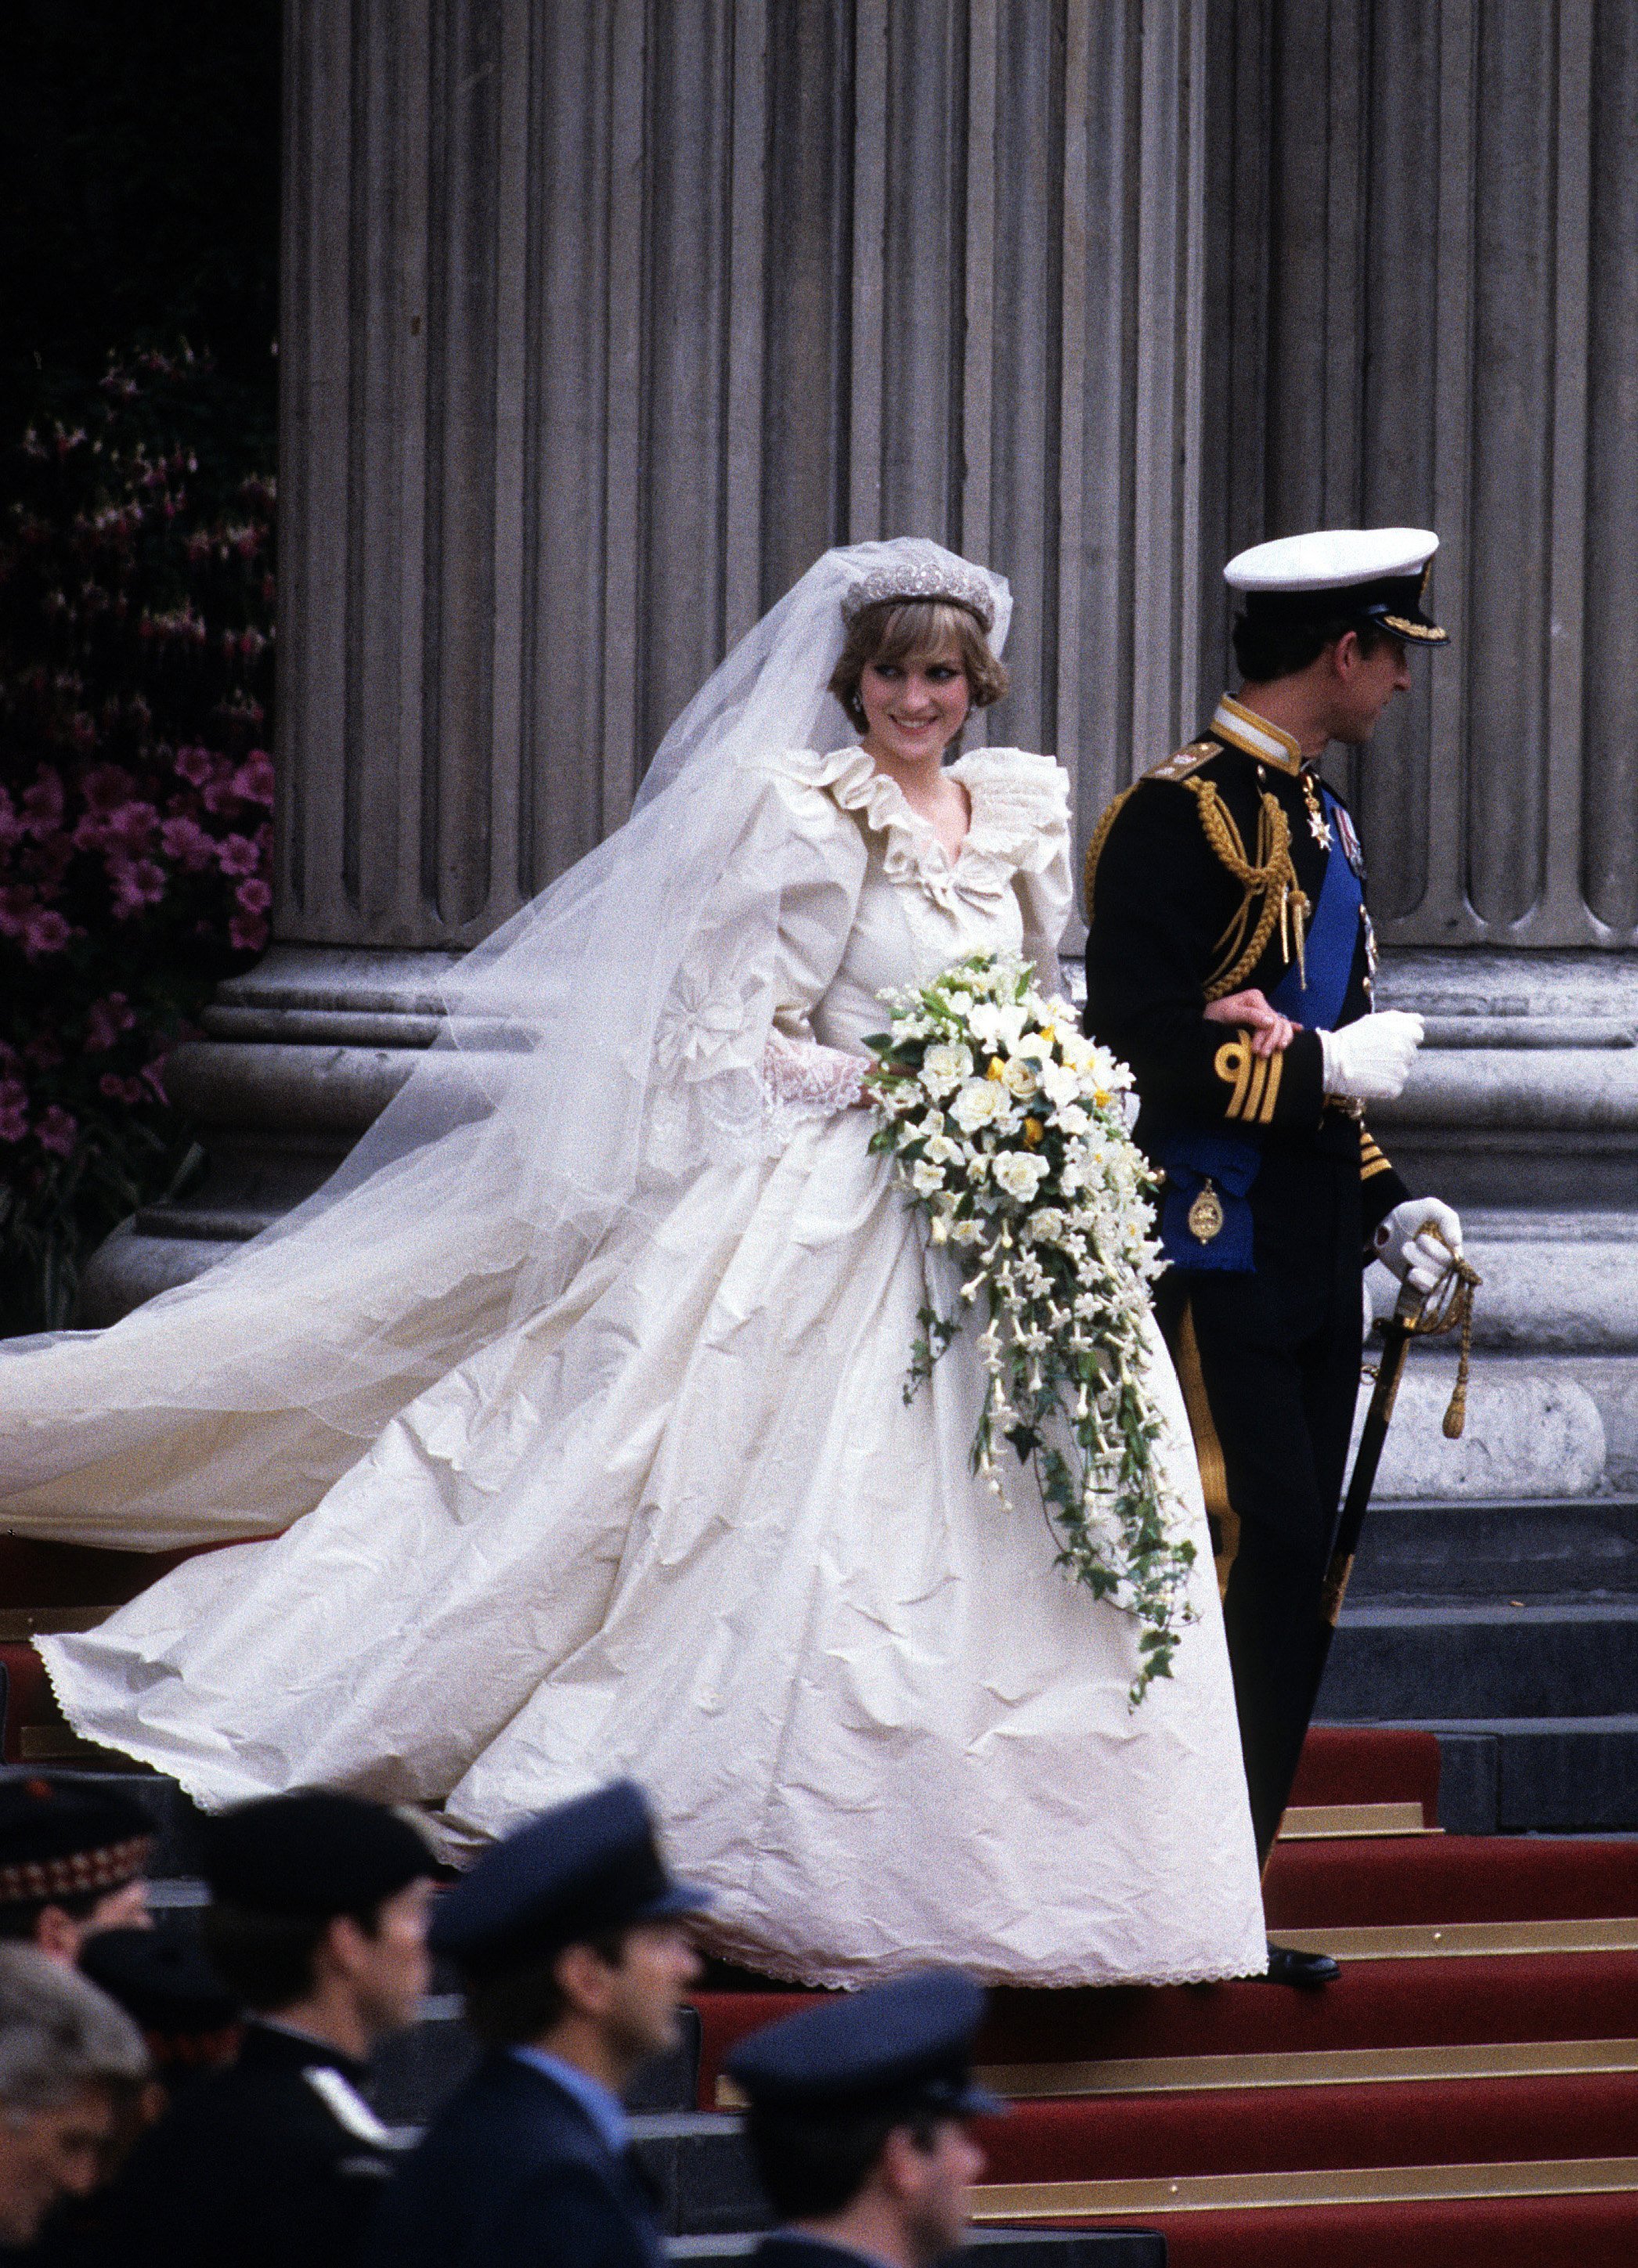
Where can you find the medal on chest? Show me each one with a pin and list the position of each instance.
(1318, 826)
(1351, 849)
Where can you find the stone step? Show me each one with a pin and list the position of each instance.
(1421, 1664)
(1536, 1775)
(1569, 1548)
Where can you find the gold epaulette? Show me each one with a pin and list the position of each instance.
(1185, 760)
(1178, 766)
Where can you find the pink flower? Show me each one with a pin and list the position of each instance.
(195, 765)
(254, 779)
(237, 855)
(13, 1110)
(255, 895)
(247, 933)
(106, 787)
(131, 827)
(138, 882)
(118, 1089)
(58, 1130)
(185, 839)
(221, 795)
(45, 932)
(42, 804)
(105, 1020)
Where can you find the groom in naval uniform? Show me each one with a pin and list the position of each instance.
(1229, 962)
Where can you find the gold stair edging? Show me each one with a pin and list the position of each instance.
(1454, 1940)
(1349, 2186)
(1333, 1823)
(1312, 2067)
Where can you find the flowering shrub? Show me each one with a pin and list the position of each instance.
(1006, 1133)
(135, 667)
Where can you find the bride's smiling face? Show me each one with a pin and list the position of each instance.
(914, 708)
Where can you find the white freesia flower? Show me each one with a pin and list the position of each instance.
(926, 1178)
(941, 1150)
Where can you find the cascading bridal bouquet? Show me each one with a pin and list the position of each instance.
(1005, 1131)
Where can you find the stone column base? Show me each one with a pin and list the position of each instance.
(298, 1059)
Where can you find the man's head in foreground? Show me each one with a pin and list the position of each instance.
(71, 2062)
(319, 1914)
(73, 1860)
(860, 2115)
(573, 1938)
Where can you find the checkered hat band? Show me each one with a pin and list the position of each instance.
(74, 1873)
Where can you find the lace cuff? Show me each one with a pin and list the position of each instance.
(801, 1080)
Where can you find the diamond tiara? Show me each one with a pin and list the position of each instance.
(929, 581)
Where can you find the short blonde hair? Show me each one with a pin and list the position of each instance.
(897, 631)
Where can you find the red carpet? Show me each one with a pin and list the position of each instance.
(1450, 2100)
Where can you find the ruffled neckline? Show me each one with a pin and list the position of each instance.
(1019, 816)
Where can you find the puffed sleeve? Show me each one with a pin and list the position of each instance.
(1021, 825)
(802, 1079)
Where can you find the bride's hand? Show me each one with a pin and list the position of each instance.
(1271, 1034)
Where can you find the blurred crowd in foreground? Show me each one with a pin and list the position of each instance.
(180, 2093)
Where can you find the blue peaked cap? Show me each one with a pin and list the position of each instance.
(908, 2043)
(575, 1871)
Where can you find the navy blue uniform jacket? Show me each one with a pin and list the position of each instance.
(512, 2174)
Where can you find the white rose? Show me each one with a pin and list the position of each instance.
(945, 1066)
(1018, 1173)
(1019, 1077)
(1047, 1225)
(979, 1103)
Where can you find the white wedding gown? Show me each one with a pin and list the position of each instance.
(683, 1524)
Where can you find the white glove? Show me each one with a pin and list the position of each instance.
(1369, 1061)
(1404, 1242)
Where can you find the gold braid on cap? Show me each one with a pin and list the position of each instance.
(1273, 879)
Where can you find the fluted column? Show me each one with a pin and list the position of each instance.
(602, 318)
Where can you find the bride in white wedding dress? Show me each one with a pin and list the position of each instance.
(571, 1413)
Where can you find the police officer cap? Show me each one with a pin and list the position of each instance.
(162, 1980)
(314, 1854)
(573, 1873)
(1378, 574)
(62, 1839)
(908, 2043)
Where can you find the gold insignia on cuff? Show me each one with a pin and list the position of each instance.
(1254, 1079)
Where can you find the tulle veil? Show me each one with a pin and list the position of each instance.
(603, 1044)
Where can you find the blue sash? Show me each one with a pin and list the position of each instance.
(1328, 948)
(1193, 1156)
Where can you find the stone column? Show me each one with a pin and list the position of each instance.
(602, 318)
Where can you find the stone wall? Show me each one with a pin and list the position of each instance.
(603, 317)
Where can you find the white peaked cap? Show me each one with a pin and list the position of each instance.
(1331, 558)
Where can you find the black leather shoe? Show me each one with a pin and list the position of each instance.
(1305, 1970)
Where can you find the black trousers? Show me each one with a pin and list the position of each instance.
(1270, 1367)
